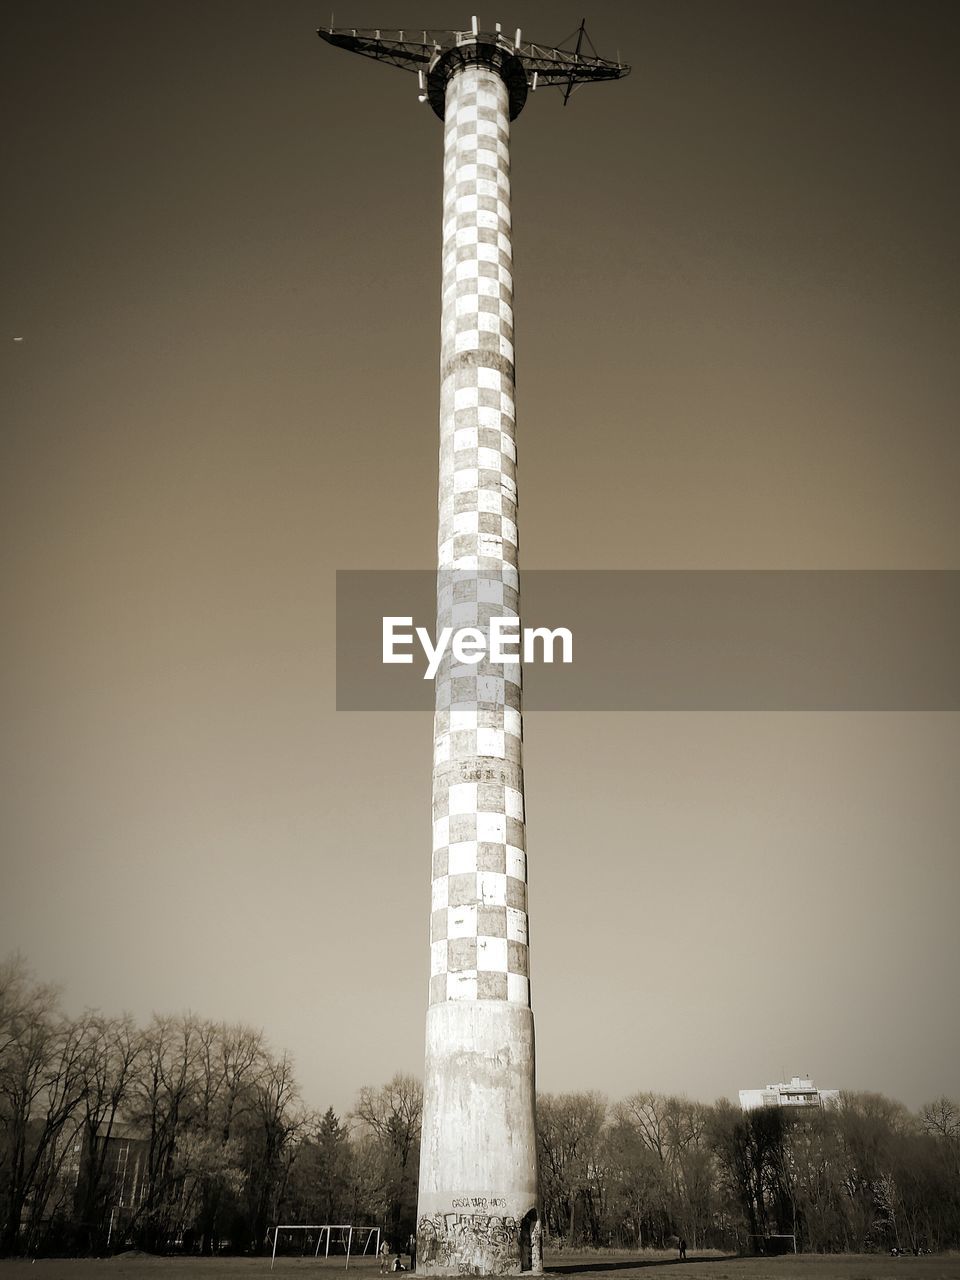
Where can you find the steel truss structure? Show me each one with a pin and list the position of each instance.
(436, 55)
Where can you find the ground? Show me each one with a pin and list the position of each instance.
(590, 1266)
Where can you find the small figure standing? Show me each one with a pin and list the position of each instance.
(384, 1252)
(682, 1248)
(412, 1250)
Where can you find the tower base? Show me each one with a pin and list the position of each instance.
(477, 1211)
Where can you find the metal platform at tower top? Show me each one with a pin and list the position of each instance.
(436, 55)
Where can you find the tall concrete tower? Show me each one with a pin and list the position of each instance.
(477, 1212)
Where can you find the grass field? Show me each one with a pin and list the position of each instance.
(591, 1266)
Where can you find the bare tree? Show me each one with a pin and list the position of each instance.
(111, 1051)
(653, 1119)
(941, 1119)
(163, 1102)
(231, 1064)
(570, 1141)
(277, 1124)
(391, 1116)
(41, 1091)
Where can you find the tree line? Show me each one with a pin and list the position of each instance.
(190, 1134)
(861, 1176)
(181, 1134)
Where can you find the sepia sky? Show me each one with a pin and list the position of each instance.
(737, 323)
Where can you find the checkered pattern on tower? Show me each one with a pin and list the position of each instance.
(479, 914)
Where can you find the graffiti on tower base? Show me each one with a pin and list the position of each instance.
(476, 1240)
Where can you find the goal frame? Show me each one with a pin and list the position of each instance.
(772, 1236)
(327, 1227)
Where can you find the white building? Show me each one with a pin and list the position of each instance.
(798, 1093)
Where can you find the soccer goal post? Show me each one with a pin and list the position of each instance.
(773, 1244)
(345, 1237)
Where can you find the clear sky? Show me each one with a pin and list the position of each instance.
(737, 325)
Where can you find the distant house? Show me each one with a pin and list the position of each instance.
(55, 1210)
(125, 1169)
(798, 1093)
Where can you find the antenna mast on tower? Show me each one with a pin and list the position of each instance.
(524, 65)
